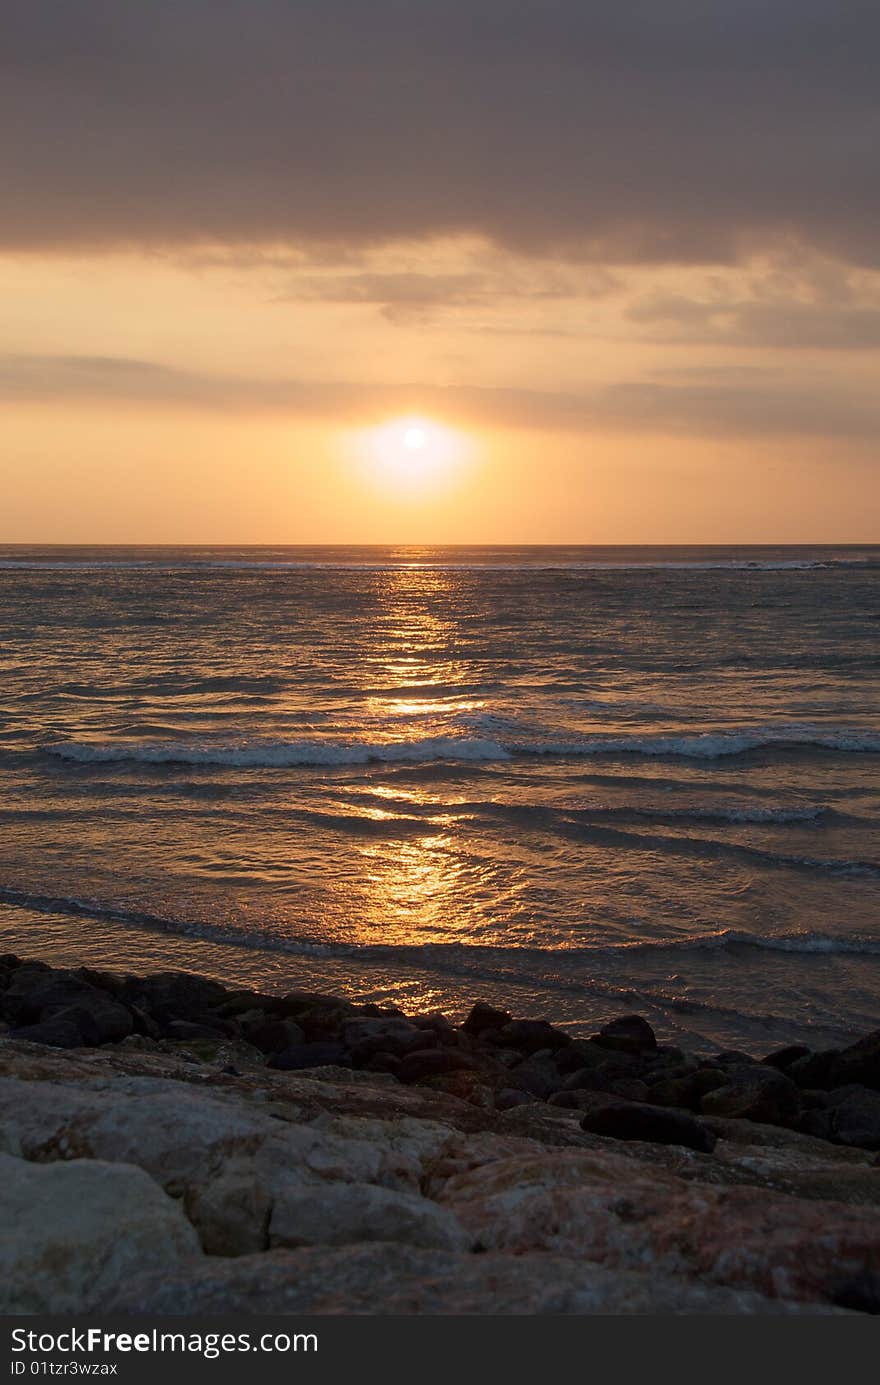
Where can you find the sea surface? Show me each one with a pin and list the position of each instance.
(574, 781)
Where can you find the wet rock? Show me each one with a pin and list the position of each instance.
(173, 995)
(628, 1034)
(483, 1017)
(782, 1058)
(311, 1055)
(75, 1233)
(754, 1093)
(631, 1120)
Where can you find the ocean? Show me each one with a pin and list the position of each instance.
(572, 781)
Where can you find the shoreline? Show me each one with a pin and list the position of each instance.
(208, 1150)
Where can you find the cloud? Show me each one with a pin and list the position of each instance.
(750, 323)
(688, 131)
(716, 403)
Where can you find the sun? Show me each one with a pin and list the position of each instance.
(412, 453)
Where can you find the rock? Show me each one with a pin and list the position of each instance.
(186, 1031)
(345, 1214)
(483, 1017)
(782, 1058)
(540, 1078)
(754, 1093)
(439, 1028)
(69, 1028)
(75, 1233)
(366, 1036)
(859, 1064)
(273, 1035)
(632, 1120)
(615, 1212)
(428, 1062)
(854, 1117)
(529, 1036)
(173, 995)
(602, 1080)
(508, 1097)
(689, 1090)
(311, 1055)
(397, 1281)
(629, 1034)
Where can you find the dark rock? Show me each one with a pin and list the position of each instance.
(598, 1080)
(584, 1098)
(632, 1120)
(732, 1058)
(529, 1036)
(854, 1116)
(628, 1034)
(365, 1036)
(318, 1055)
(272, 1035)
(173, 995)
(428, 1062)
(537, 1076)
(188, 1031)
(754, 1093)
(782, 1058)
(508, 1097)
(68, 1028)
(859, 1064)
(483, 1017)
(439, 1028)
(383, 1062)
(688, 1090)
(586, 1053)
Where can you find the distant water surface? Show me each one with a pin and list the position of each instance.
(574, 781)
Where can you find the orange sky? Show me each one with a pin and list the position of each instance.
(621, 313)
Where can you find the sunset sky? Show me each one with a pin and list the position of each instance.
(439, 271)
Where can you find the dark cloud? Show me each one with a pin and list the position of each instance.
(718, 403)
(802, 326)
(687, 130)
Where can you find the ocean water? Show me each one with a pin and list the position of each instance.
(573, 781)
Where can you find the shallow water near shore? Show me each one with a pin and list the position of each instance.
(572, 781)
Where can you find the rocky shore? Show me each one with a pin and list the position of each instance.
(173, 1146)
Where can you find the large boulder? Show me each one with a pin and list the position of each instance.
(347, 1213)
(754, 1093)
(75, 1233)
(637, 1120)
(628, 1034)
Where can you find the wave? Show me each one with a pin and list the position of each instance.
(700, 745)
(449, 956)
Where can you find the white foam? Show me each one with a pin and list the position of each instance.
(282, 754)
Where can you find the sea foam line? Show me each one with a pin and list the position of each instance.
(702, 745)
